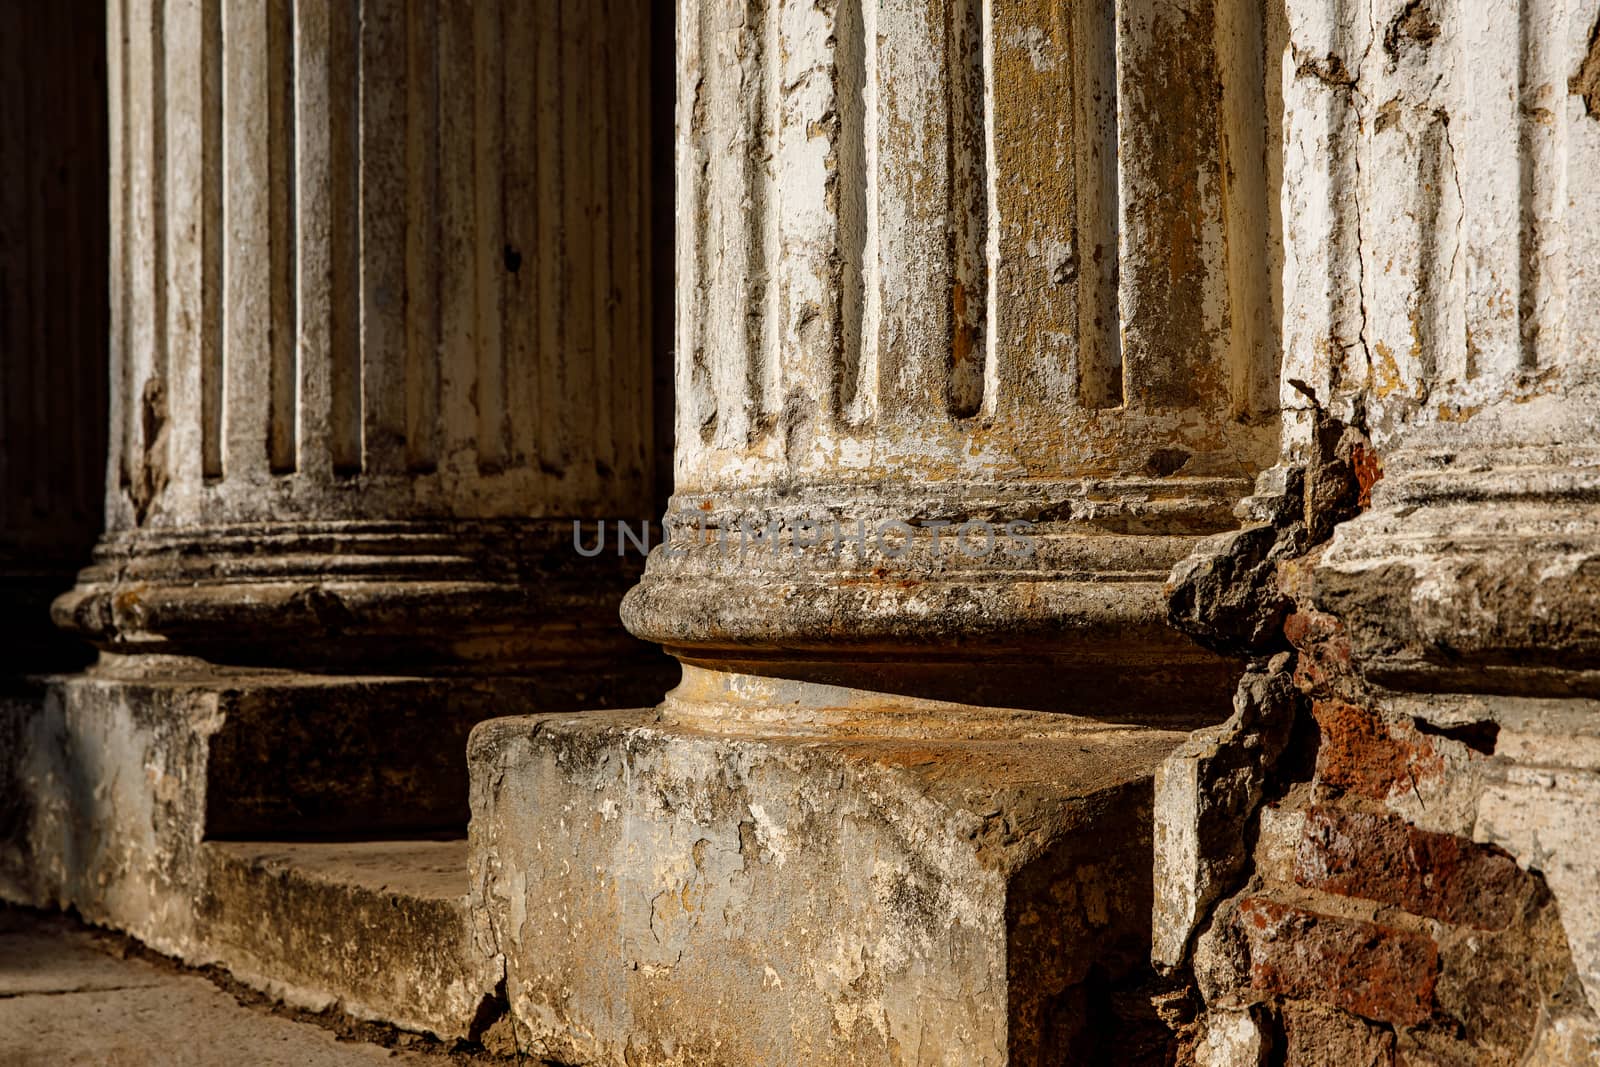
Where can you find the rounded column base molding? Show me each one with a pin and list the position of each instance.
(1477, 570)
(420, 597)
(1043, 597)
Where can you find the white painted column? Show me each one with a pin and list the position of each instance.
(1442, 249)
(381, 325)
(944, 262)
(1443, 291)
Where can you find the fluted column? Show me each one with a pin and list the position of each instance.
(52, 318)
(974, 341)
(381, 330)
(1464, 339)
(1441, 291)
(942, 262)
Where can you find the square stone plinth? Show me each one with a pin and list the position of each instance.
(663, 895)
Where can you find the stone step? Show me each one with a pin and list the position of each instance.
(378, 929)
(70, 994)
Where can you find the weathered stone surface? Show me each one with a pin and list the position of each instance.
(1437, 302)
(661, 894)
(938, 284)
(1451, 577)
(278, 753)
(1425, 264)
(1545, 816)
(369, 597)
(378, 929)
(1566, 1041)
(380, 311)
(882, 321)
(1498, 987)
(1318, 1037)
(943, 263)
(66, 999)
(1228, 594)
(1206, 796)
(1233, 1039)
(1280, 827)
(1379, 831)
(115, 785)
(381, 328)
(110, 804)
(1225, 593)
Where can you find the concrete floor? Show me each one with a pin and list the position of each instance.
(72, 995)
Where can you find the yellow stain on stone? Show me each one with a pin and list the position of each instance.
(1385, 371)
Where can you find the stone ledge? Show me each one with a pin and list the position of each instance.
(112, 786)
(272, 754)
(662, 895)
(376, 928)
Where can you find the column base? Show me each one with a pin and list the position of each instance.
(923, 591)
(661, 893)
(457, 597)
(1477, 570)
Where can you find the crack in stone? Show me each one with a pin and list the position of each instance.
(77, 991)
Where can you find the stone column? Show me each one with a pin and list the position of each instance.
(1470, 592)
(381, 331)
(984, 287)
(1479, 214)
(1441, 240)
(915, 286)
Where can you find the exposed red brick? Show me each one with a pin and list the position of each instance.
(1376, 972)
(1369, 471)
(1359, 754)
(1324, 649)
(1382, 858)
(1304, 627)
